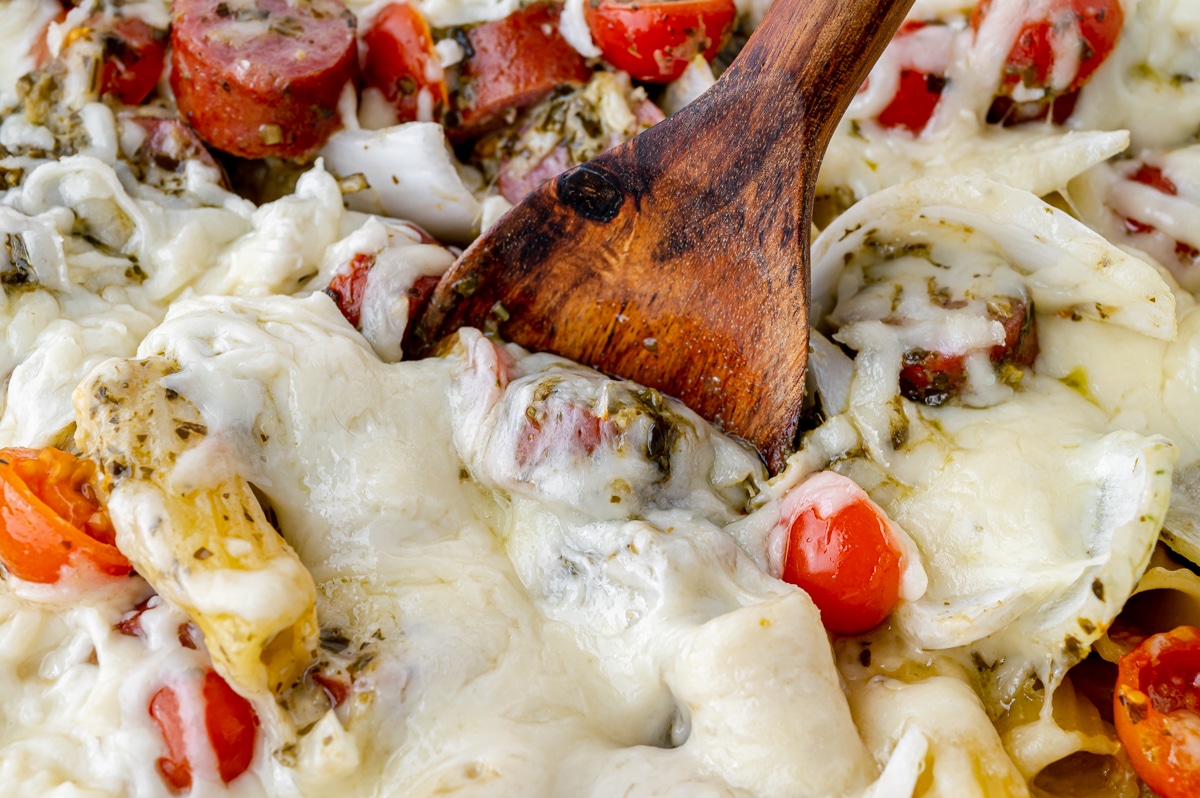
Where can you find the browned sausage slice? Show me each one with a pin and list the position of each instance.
(513, 63)
(262, 77)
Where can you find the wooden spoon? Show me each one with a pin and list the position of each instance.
(679, 259)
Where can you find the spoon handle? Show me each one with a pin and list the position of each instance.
(821, 50)
(801, 69)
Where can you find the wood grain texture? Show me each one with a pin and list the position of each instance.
(680, 258)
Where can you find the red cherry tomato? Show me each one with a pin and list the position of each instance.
(841, 550)
(229, 720)
(654, 41)
(916, 98)
(51, 517)
(917, 93)
(1153, 176)
(1086, 29)
(348, 287)
(401, 61)
(134, 55)
(934, 378)
(1156, 709)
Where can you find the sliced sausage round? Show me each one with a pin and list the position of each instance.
(262, 77)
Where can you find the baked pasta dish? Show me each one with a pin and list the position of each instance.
(251, 549)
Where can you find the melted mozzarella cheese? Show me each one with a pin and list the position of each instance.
(631, 626)
(21, 23)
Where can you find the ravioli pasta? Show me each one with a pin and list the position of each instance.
(493, 572)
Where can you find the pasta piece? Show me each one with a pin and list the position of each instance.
(1034, 516)
(194, 530)
(1167, 596)
(1069, 750)
(963, 755)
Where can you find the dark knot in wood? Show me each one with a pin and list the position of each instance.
(590, 192)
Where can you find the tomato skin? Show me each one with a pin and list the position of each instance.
(1093, 26)
(917, 92)
(230, 722)
(348, 287)
(841, 550)
(135, 55)
(916, 98)
(51, 517)
(1156, 711)
(654, 41)
(401, 62)
(232, 727)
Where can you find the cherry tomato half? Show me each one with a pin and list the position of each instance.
(654, 41)
(1156, 709)
(134, 55)
(401, 62)
(841, 550)
(229, 720)
(1083, 31)
(934, 378)
(51, 517)
(917, 92)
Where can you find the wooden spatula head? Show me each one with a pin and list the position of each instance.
(680, 258)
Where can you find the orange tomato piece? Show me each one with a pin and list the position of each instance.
(1156, 709)
(401, 62)
(51, 517)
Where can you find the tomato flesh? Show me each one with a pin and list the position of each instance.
(401, 62)
(348, 287)
(934, 378)
(230, 723)
(654, 42)
(232, 726)
(1156, 711)
(1153, 176)
(917, 92)
(1089, 29)
(916, 98)
(1150, 175)
(51, 517)
(175, 768)
(842, 553)
(560, 427)
(134, 55)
